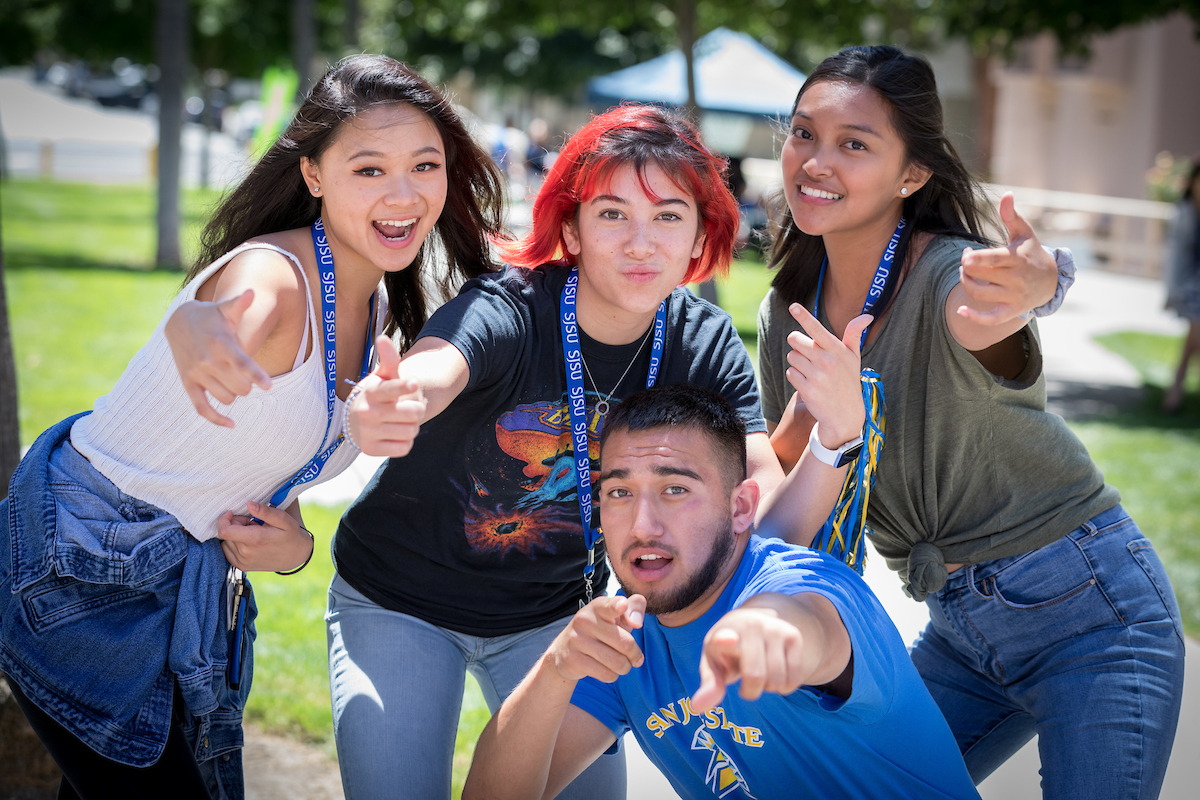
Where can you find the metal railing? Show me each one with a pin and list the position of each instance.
(1116, 234)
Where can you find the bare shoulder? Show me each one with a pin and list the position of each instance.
(267, 271)
(297, 241)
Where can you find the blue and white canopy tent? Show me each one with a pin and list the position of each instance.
(741, 87)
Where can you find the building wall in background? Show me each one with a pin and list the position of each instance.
(1094, 125)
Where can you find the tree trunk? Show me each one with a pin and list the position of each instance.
(304, 42)
(985, 112)
(352, 21)
(26, 769)
(10, 441)
(171, 47)
(685, 19)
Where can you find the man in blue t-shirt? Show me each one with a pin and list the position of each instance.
(829, 703)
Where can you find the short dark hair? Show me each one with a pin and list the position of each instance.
(689, 406)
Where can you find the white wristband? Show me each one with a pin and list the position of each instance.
(834, 458)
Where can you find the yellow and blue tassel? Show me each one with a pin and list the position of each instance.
(842, 534)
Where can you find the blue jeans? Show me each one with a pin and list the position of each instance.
(1079, 642)
(397, 687)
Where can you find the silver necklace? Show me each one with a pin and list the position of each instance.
(603, 406)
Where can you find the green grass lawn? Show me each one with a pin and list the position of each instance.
(1154, 459)
(80, 306)
(50, 224)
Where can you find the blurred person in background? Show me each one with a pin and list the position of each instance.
(537, 154)
(1182, 271)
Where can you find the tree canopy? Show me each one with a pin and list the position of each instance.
(548, 45)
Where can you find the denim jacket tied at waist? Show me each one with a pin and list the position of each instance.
(106, 603)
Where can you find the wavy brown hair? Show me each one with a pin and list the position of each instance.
(274, 197)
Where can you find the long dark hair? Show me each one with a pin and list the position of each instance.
(274, 197)
(949, 202)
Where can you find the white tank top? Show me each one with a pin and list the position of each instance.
(146, 437)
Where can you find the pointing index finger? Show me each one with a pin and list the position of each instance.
(812, 326)
(635, 611)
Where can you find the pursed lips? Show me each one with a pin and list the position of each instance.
(641, 274)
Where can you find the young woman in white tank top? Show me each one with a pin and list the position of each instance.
(122, 525)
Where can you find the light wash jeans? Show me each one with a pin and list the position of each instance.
(1079, 642)
(397, 687)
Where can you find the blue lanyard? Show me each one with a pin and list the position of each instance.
(882, 273)
(314, 466)
(577, 408)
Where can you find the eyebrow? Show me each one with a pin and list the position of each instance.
(864, 128)
(663, 470)
(612, 198)
(377, 154)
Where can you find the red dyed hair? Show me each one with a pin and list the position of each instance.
(637, 135)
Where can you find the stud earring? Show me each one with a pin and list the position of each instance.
(904, 191)
(317, 190)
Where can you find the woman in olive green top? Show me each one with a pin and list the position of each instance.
(1050, 612)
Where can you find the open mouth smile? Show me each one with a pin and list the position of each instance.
(395, 230)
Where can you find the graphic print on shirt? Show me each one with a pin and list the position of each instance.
(722, 774)
(539, 499)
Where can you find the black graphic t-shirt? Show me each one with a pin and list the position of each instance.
(477, 529)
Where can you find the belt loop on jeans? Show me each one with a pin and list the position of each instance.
(970, 578)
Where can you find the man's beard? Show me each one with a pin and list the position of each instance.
(668, 601)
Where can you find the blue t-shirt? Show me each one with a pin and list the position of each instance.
(887, 740)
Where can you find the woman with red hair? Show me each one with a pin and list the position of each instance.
(474, 549)
(475, 542)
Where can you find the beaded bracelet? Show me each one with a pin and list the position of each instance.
(346, 416)
(313, 539)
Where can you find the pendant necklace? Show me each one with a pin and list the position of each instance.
(603, 406)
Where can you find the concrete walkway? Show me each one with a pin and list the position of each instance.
(1078, 371)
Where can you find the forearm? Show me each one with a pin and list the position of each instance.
(796, 510)
(515, 750)
(972, 335)
(790, 437)
(294, 512)
(439, 368)
(826, 644)
(762, 466)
